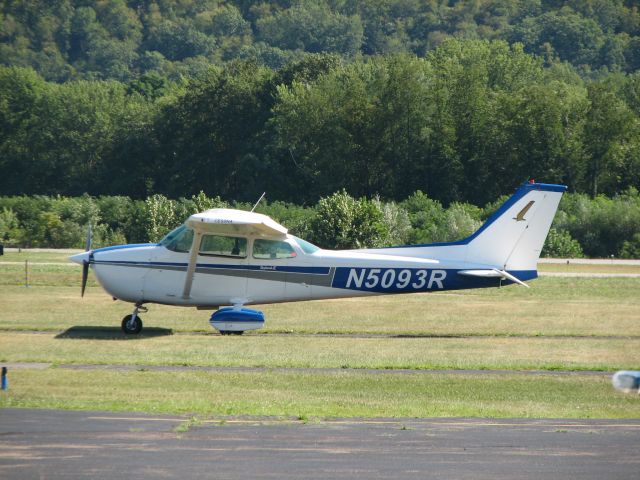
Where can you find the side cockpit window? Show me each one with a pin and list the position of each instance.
(272, 249)
(221, 246)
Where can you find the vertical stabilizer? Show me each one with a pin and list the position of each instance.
(512, 239)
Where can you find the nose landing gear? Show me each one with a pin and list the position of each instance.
(132, 324)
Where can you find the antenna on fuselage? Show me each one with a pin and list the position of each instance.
(261, 197)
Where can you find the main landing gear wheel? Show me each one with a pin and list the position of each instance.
(131, 325)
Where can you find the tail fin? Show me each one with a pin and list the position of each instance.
(511, 239)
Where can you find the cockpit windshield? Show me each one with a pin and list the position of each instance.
(178, 240)
(308, 248)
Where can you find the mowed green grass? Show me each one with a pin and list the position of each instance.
(511, 353)
(558, 324)
(551, 307)
(321, 394)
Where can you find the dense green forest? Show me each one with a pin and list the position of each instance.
(457, 101)
(599, 227)
(122, 39)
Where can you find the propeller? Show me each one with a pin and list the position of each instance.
(87, 262)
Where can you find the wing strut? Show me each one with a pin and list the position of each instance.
(191, 269)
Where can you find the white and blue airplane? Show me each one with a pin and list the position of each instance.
(233, 258)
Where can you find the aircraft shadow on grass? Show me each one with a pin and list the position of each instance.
(89, 332)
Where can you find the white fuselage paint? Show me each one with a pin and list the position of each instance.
(154, 274)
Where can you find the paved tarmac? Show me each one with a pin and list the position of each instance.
(52, 444)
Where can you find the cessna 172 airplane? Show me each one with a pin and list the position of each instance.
(233, 258)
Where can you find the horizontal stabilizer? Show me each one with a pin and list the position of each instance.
(492, 273)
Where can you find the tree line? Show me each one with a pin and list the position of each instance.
(468, 121)
(599, 227)
(123, 39)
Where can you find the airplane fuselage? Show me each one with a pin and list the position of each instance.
(152, 273)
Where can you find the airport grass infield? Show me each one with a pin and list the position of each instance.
(368, 357)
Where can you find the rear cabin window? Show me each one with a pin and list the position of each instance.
(221, 246)
(272, 249)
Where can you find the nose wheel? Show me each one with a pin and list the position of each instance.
(132, 324)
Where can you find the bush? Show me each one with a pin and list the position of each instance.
(631, 248)
(459, 221)
(601, 225)
(343, 222)
(560, 244)
(425, 214)
(296, 218)
(397, 221)
(9, 228)
(161, 216)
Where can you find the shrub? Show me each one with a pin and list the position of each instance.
(9, 228)
(161, 216)
(425, 214)
(343, 222)
(459, 221)
(601, 225)
(631, 248)
(560, 244)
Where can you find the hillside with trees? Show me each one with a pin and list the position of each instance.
(123, 39)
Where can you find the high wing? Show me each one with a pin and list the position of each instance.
(226, 221)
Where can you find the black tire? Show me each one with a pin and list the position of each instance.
(231, 332)
(131, 329)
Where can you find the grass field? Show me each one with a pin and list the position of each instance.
(322, 394)
(569, 324)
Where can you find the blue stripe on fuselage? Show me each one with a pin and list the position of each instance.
(274, 268)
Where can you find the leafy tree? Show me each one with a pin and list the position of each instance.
(459, 221)
(566, 33)
(560, 244)
(372, 114)
(601, 225)
(397, 220)
(609, 125)
(179, 40)
(425, 214)
(161, 216)
(9, 228)
(21, 91)
(313, 27)
(343, 222)
(631, 248)
(211, 138)
(296, 218)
